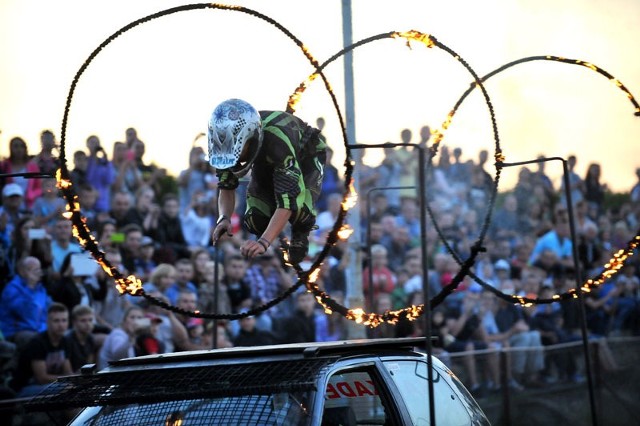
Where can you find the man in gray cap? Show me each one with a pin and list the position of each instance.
(10, 211)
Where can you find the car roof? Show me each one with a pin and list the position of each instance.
(213, 373)
(282, 351)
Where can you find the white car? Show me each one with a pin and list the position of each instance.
(364, 382)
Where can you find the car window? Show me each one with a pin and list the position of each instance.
(281, 409)
(352, 398)
(411, 379)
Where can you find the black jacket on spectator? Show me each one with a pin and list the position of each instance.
(79, 354)
(254, 338)
(170, 238)
(299, 328)
(67, 292)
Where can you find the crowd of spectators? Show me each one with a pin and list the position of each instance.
(59, 311)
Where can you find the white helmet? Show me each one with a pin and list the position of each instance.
(233, 125)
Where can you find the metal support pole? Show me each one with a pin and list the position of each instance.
(578, 277)
(422, 198)
(216, 284)
(425, 276)
(578, 274)
(354, 280)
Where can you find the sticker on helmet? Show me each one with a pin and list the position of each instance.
(223, 161)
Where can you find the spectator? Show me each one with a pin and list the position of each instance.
(547, 320)
(62, 245)
(105, 234)
(120, 206)
(527, 364)
(634, 193)
(590, 250)
(79, 173)
(249, 335)
(151, 175)
(556, 241)
(146, 342)
(49, 207)
(382, 304)
(45, 160)
(110, 310)
(20, 162)
(397, 247)
(24, 243)
(200, 258)
(128, 177)
(377, 278)
(196, 222)
(507, 222)
(465, 327)
(327, 218)
(74, 289)
(409, 216)
(144, 212)
(459, 172)
(390, 174)
(188, 301)
(268, 279)
(307, 324)
(100, 173)
(24, 303)
(120, 341)
(11, 211)
(169, 326)
(46, 357)
(576, 184)
(237, 284)
(130, 247)
(192, 180)
(79, 339)
(169, 234)
(87, 198)
(207, 293)
(331, 181)
(594, 191)
(612, 309)
(540, 179)
(144, 264)
(184, 277)
(161, 278)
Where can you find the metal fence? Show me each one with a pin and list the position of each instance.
(561, 398)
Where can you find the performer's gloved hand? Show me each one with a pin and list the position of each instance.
(223, 227)
(251, 249)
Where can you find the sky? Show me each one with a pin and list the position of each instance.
(164, 77)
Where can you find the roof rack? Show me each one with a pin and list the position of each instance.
(262, 370)
(311, 349)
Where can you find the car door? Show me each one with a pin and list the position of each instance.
(452, 406)
(356, 394)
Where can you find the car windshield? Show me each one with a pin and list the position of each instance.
(281, 409)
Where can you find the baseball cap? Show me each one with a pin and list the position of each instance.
(12, 189)
(502, 264)
(194, 322)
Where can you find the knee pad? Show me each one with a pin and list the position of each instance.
(303, 220)
(255, 221)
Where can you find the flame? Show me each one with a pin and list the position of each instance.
(351, 199)
(345, 232)
(313, 276)
(416, 36)
(295, 97)
(356, 315)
